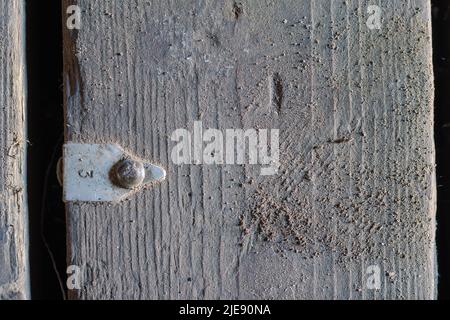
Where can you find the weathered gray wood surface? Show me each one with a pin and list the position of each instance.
(13, 209)
(355, 190)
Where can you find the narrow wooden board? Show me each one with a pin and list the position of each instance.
(13, 209)
(349, 215)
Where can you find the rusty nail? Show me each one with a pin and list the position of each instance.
(129, 173)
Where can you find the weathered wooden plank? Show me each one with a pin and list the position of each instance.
(13, 209)
(350, 213)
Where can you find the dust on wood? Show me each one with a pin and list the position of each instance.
(356, 182)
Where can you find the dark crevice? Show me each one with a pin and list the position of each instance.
(238, 10)
(45, 132)
(441, 48)
(277, 92)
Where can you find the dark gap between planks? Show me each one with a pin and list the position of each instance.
(45, 128)
(441, 59)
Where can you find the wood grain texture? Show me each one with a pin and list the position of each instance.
(13, 209)
(355, 187)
